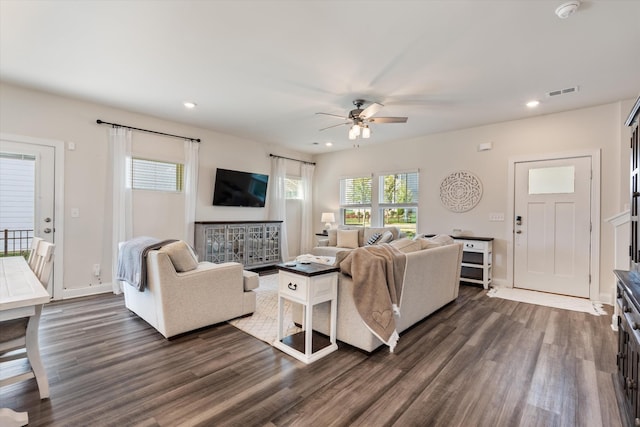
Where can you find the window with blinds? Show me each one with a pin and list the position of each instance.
(399, 189)
(293, 188)
(156, 175)
(398, 201)
(355, 200)
(355, 191)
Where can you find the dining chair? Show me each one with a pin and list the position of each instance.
(35, 241)
(44, 262)
(19, 337)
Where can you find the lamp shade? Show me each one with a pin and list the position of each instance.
(328, 217)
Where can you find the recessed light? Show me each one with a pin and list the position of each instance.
(533, 104)
(190, 105)
(329, 144)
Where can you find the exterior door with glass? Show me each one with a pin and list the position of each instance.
(27, 194)
(552, 226)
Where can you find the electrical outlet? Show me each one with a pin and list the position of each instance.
(496, 216)
(96, 270)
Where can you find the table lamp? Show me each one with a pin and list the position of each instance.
(327, 218)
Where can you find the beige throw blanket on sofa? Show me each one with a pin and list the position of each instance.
(378, 273)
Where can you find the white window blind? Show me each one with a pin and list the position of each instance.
(156, 175)
(399, 189)
(355, 191)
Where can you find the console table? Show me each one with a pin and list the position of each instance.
(251, 243)
(308, 285)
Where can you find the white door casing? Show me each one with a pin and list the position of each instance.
(48, 211)
(552, 226)
(548, 255)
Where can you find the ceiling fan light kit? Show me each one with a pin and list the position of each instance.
(359, 118)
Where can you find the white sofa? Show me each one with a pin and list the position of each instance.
(331, 245)
(174, 303)
(431, 280)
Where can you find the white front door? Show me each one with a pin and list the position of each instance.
(552, 226)
(38, 185)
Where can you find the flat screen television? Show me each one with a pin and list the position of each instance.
(236, 188)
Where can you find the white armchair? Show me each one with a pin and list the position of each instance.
(177, 302)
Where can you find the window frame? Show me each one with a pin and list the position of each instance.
(178, 181)
(411, 205)
(364, 208)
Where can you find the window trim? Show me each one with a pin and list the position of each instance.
(179, 175)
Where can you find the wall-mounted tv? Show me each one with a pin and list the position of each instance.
(236, 188)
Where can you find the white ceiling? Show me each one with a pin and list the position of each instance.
(262, 69)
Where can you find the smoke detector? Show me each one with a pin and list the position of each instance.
(567, 9)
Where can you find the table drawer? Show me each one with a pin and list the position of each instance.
(293, 285)
(474, 245)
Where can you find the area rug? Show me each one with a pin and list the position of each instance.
(546, 299)
(263, 323)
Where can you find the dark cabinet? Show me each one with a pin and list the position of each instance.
(628, 356)
(628, 289)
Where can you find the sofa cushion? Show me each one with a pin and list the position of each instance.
(373, 239)
(347, 239)
(386, 237)
(369, 231)
(333, 236)
(181, 255)
(406, 245)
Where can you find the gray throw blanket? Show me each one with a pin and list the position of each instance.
(132, 260)
(378, 273)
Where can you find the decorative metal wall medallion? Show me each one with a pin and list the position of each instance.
(460, 191)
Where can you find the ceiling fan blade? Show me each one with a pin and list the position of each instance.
(387, 120)
(339, 124)
(334, 115)
(371, 110)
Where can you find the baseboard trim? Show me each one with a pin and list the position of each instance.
(87, 291)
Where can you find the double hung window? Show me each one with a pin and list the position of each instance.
(156, 175)
(355, 200)
(398, 201)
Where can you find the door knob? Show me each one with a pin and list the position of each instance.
(47, 219)
(47, 230)
(519, 232)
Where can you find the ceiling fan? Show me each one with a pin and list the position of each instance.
(359, 119)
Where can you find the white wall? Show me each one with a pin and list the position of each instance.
(86, 176)
(87, 238)
(438, 155)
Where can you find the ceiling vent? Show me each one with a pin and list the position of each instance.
(564, 91)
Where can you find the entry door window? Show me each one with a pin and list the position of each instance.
(555, 180)
(17, 199)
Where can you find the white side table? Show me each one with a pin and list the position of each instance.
(308, 285)
(476, 260)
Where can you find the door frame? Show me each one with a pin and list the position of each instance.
(58, 148)
(594, 260)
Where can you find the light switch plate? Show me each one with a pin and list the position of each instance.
(496, 216)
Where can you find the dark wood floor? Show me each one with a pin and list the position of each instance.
(478, 362)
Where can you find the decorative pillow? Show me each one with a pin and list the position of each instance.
(373, 239)
(348, 239)
(436, 241)
(406, 245)
(333, 236)
(181, 255)
(386, 237)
